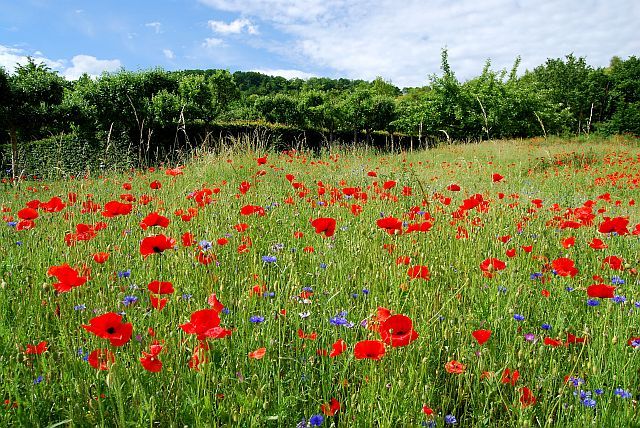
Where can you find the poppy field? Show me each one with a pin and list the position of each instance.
(491, 284)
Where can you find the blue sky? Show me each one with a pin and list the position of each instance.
(399, 40)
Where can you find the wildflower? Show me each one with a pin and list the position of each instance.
(589, 402)
(80, 307)
(101, 359)
(622, 393)
(369, 349)
(450, 420)
(593, 302)
(326, 225)
(397, 330)
(37, 349)
(616, 280)
(129, 300)
(256, 319)
(38, 380)
(110, 326)
(518, 317)
(529, 337)
(205, 245)
(455, 367)
(481, 336)
(545, 327)
(316, 420)
(619, 299)
(269, 259)
(124, 273)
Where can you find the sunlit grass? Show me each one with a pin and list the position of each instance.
(348, 275)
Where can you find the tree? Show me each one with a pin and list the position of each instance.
(34, 94)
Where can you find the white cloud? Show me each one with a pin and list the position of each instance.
(286, 73)
(401, 41)
(212, 42)
(168, 53)
(10, 57)
(233, 27)
(157, 26)
(90, 65)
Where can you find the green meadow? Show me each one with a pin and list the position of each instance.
(491, 284)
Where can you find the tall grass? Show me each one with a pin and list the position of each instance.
(348, 275)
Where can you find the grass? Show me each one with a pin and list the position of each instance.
(351, 274)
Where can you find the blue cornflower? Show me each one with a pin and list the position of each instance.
(80, 307)
(593, 302)
(535, 275)
(545, 326)
(316, 420)
(124, 273)
(186, 296)
(576, 381)
(635, 343)
(619, 299)
(302, 424)
(365, 291)
(323, 265)
(269, 259)
(616, 280)
(518, 317)
(599, 391)
(636, 304)
(226, 311)
(589, 402)
(256, 319)
(38, 380)
(19, 243)
(569, 289)
(129, 300)
(205, 245)
(450, 420)
(622, 393)
(268, 294)
(340, 321)
(307, 289)
(12, 223)
(354, 295)
(502, 289)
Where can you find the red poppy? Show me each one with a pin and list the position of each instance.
(614, 262)
(158, 303)
(115, 208)
(369, 349)
(310, 336)
(241, 227)
(598, 244)
(568, 242)
(511, 252)
(496, 178)
(552, 342)
(564, 266)
(419, 272)
(526, 397)
(150, 360)
(491, 265)
(571, 339)
(53, 205)
(188, 239)
(330, 408)
(391, 225)
(204, 323)
(397, 331)
(67, 277)
(215, 304)
(455, 367)
(155, 185)
(101, 359)
(338, 347)
(100, 257)
(356, 209)
(617, 225)
(453, 187)
(252, 209)
(262, 160)
(601, 291)
(159, 287)
(389, 185)
(510, 377)
(427, 410)
(154, 219)
(174, 172)
(258, 353)
(244, 187)
(27, 214)
(156, 244)
(326, 225)
(36, 349)
(481, 336)
(110, 326)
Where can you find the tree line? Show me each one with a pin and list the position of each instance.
(147, 110)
